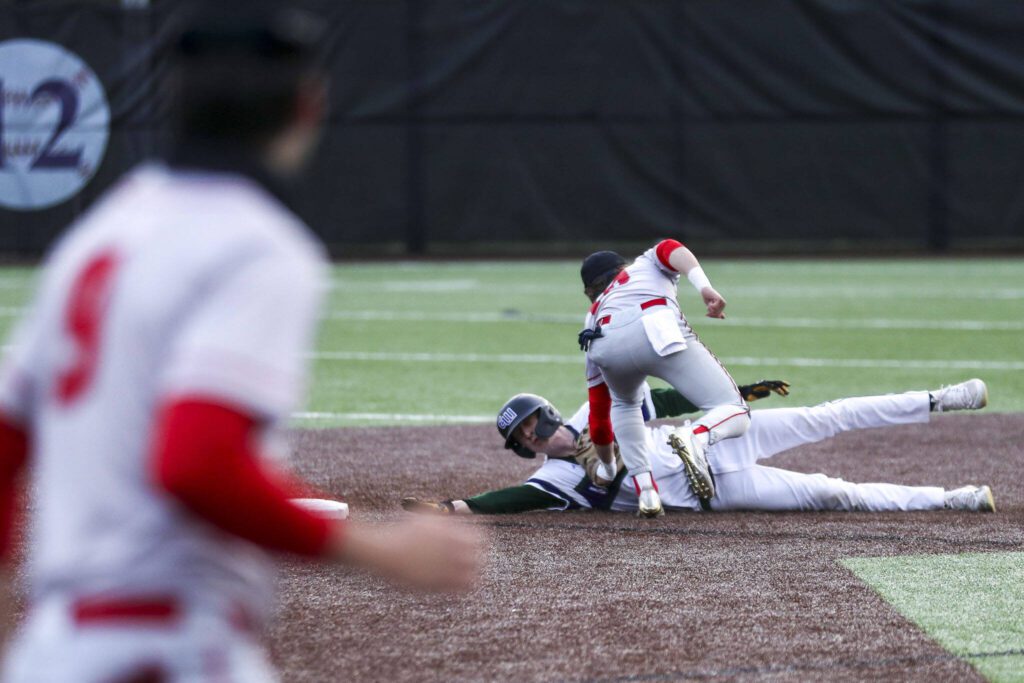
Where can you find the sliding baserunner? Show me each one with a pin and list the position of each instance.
(569, 479)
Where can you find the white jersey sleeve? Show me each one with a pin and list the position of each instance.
(245, 342)
(647, 278)
(650, 257)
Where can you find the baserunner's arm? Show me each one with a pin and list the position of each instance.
(511, 500)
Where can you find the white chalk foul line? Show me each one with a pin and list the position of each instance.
(515, 316)
(392, 417)
(577, 359)
(431, 287)
(444, 357)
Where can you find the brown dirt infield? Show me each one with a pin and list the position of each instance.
(607, 597)
(602, 597)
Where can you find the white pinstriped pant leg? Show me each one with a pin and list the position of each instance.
(703, 380)
(199, 648)
(617, 353)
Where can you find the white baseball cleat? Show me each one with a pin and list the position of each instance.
(689, 450)
(973, 498)
(969, 395)
(650, 504)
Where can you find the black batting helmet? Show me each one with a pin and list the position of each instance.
(520, 407)
(598, 269)
(599, 265)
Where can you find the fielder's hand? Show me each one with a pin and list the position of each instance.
(426, 507)
(605, 474)
(714, 301)
(762, 389)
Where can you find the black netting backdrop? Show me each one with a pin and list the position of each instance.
(743, 124)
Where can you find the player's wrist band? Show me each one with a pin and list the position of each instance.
(697, 278)
(449, 506)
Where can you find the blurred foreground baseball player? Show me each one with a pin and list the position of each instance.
(148, 382)
(635, 329)
(568, 479)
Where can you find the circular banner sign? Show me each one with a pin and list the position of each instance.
(54, 124)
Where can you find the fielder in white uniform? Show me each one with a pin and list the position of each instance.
(148, 383)
(568, 481)
(634, 330)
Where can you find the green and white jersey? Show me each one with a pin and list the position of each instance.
(567, 481)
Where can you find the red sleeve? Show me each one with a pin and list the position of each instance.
(13, 456)
(601, 415)
(202, 455)
(664, 248)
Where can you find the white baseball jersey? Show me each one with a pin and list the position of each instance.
(742, 484)
(177, 284)
(643, 334)
(646, 279)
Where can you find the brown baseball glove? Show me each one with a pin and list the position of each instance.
(762, 389)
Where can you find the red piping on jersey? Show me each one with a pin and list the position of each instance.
(601, 433)
(664, 249)
(202, 456)
(13, 456)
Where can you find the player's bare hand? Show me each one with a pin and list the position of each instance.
(605, 474)
(714, 301)
(422, 552)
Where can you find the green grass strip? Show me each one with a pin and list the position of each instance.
(972, 604)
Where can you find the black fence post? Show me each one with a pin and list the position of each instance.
(938, 136)
(415, 169)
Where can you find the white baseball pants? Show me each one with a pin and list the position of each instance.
(196, 647)
(742, 484)
(627, 358)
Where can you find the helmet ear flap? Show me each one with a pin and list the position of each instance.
(548, 421)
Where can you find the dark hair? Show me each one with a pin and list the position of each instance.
(237, 74)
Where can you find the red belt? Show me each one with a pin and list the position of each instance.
(153, 609)
(661, 301)
(148, 609)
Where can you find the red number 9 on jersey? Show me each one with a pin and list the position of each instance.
(83, 320)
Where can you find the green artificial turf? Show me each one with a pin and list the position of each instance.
(973, 605)
(429, 342)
